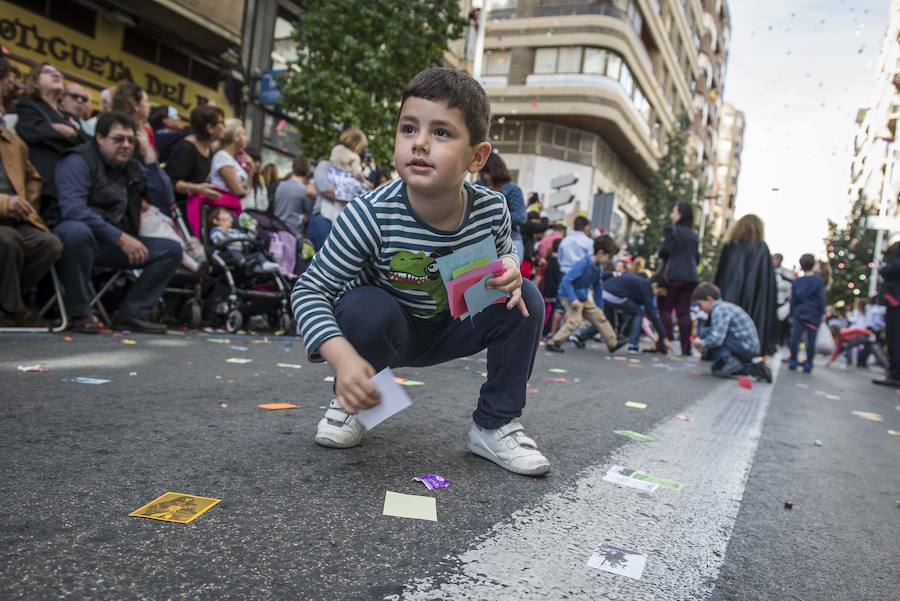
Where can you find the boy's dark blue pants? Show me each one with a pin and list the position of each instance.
(797, 334)
(386, 335)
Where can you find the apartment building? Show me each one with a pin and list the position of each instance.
(594, 88)
(875, 157)
(721, 202)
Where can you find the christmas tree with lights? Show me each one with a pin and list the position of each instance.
(851, 250)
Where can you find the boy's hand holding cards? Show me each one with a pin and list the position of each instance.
(475, 279)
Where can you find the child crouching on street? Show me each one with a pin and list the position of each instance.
(373, 296)
(732, 339)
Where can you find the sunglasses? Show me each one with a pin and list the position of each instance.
(79, 97)
(122, 140)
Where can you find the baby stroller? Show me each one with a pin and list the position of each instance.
(243, 292)
(182, 298)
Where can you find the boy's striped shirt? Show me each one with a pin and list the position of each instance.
(377, 240)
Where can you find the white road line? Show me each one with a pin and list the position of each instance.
(541, 552)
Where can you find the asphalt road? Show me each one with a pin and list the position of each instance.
(297, 521)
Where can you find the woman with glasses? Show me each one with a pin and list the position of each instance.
(47, 130)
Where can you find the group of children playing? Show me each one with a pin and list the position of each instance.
(373, 297)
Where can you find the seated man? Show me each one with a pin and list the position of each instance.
(27, 248)
(634, 296)
(100, 189)
(731, 339)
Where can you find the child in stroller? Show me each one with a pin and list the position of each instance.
(247, 282)
(236, 243)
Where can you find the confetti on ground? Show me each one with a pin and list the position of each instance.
(432, 481)
(802, 386)
(633, 366)
(558, 370)
(175, 507)
(81, 380)
(832, 397)
(277, 406)
(615, 560)
(531, 390)
(238, 348)
(32, 369)
(132, 373)
(558, 380)
(128, 341)
(636, 436)
(872, 417)
(745, 382)
(239, 360)
(68, 338)
(620, 358)
(329, 379)
(893, 433)
(290, 365)
(634, 360)
(410, 506)
(684, 418)
(483, 374)
(219, 340)
(636, 405)
(405, 382)
(696, 373)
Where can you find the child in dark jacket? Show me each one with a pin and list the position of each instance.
(550, 286)
(807, 309)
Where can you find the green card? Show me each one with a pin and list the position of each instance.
(636, 436)
(469, 267)
(662, 482)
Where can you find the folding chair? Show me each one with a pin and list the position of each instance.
(56, 299)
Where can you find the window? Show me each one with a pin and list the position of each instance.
(569, 60)
(634, 16)
(143, 46)
(545, 60)
(496, 62)
(65, 12)
(613, 66)
(595, 61)
(627, 81)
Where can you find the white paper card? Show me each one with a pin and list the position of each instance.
(615, 476)
(615, 560)
(393, 400)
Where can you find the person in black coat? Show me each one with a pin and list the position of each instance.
(47, 131)
(746, 277)
(889, 295)
(680, 253)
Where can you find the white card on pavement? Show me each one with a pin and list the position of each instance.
(393, 400)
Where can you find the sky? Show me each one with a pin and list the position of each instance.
(799, 70)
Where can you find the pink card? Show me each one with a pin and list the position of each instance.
(456, 288)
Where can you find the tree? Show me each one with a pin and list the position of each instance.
(355, 58)
(851, 250)
(673, 182)
(711, 249)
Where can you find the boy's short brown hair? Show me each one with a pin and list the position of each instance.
(606, 244)
(458, 90)
(705, 290)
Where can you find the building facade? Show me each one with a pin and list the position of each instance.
(721, 202)
(177, 50)
(875, 156)
(595, 88)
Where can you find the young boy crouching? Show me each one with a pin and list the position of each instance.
(732, 338)
(373, 296)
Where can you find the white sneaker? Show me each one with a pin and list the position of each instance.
(510, 448)
(338, 429)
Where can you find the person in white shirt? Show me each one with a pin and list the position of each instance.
(576, 245)
(225, 172)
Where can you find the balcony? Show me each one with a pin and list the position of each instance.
(606, 8)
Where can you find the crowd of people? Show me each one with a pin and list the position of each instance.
(84, 190)
(133, 187)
